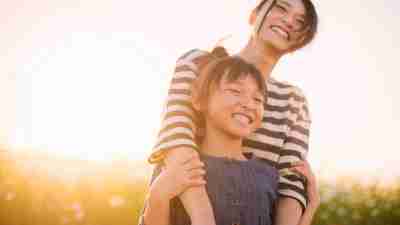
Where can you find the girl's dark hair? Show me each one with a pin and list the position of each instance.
(224, 66)
(311, 19)
(220, 66)
(219, 52)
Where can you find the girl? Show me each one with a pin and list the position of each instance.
(279, 27)
(242, 188)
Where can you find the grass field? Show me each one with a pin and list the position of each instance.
(111, 195)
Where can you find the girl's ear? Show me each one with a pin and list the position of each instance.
(196, 95)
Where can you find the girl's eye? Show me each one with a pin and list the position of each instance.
(259, 100)
(233, 91)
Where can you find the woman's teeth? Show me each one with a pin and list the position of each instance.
(281, 32)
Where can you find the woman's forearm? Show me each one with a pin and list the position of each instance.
(307, 217)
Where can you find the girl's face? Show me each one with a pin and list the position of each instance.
(235, 107)
(283, 27)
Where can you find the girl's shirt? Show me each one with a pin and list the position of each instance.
(240, 192)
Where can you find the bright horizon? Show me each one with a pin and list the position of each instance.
(87, 79)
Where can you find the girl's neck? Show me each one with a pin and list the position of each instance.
(262, 56)
(218, 143)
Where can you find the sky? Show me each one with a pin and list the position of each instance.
(88, 79)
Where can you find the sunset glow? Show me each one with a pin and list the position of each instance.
(87, 79)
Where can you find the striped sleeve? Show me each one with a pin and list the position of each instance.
(295, 148)
(179, 119)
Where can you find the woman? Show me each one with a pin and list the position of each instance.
(279, 27)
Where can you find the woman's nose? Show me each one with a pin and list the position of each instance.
(288, 21)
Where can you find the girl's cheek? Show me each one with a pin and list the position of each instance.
(231, 99)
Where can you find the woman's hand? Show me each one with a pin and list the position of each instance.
(178, 175)
(304, 169)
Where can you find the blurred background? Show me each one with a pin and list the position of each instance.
(82, 86)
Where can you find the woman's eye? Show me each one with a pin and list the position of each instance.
(301, 24)
(282, 8)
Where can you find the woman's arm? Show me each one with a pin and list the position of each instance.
(292, 200)
(312, 192)
(170, 183)
(176, 138)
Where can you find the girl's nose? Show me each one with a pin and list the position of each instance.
(247, 102)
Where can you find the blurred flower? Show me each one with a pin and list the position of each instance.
(327, 195)
(76, 206)
(375, 212)
(65, 220)
(10, 196)
(356, 216)
(79, 215)
(370, 203)
(116, 201)
(324, 215)
(341, 212)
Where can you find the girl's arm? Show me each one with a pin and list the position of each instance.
(170, 183)
(176, 137)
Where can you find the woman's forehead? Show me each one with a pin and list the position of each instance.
(296, 5)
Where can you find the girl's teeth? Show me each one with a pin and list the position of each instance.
(242, 118)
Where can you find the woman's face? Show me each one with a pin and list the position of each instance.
(283, 27)
(235, 107)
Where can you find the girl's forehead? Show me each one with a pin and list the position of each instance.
(244, 80)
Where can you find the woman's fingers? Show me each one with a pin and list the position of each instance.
(193, 164)
(180, 156)
(196, 182)
(300, 169)
(196, 173)
(190, 157)
(303, 168)
(297, 163)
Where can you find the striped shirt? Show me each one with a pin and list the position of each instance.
(282, 139)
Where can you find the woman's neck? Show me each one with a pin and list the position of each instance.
(218, 143)
(263, 57)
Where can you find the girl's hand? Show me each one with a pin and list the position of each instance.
(304, 169)
(176, 177)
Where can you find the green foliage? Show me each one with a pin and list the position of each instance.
(113, 196)
(350, 203)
